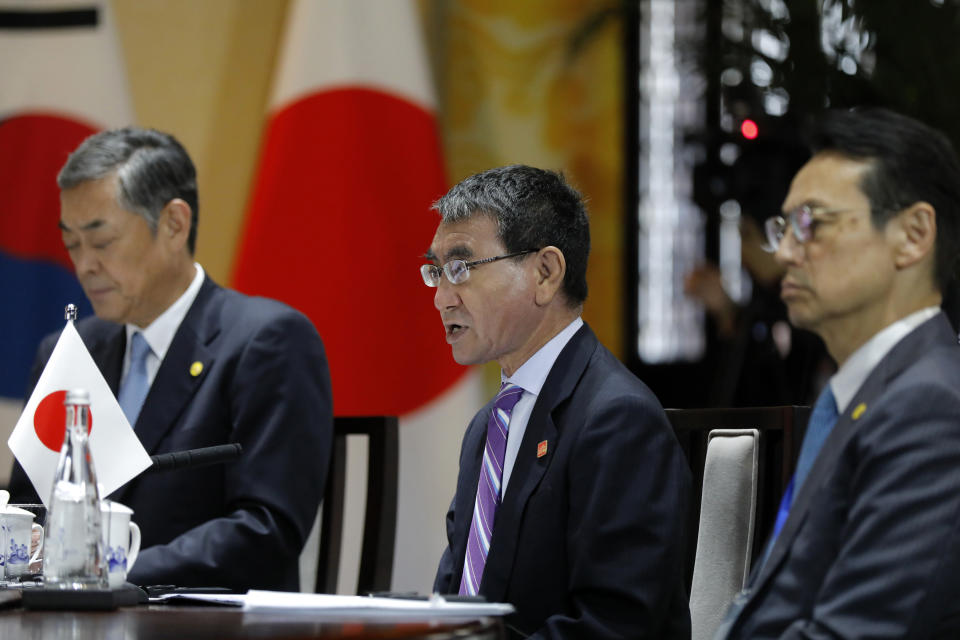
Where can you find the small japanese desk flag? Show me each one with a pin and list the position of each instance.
(117, 453)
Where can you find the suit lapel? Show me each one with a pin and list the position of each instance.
(928, 335)
(178, 379)
(528, 469)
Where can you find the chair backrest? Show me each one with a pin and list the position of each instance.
(728, 509)
(380, 519)
(780, 430)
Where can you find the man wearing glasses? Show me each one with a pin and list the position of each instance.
(867, 539)
(572, 495)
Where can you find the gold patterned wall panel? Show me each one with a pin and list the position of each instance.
(510, 91)
(202, 71)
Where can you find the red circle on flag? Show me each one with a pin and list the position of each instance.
(50, 420)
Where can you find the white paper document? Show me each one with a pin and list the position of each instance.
(319, 604)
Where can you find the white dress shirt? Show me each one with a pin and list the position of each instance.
(159, 334)
(530, 376)
(850, 377)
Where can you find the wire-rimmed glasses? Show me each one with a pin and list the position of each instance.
(457, 271)
(802, 221)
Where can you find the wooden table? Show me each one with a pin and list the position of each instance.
(156, 622)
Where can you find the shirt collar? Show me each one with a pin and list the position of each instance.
(533, 373)
(159, 333)
(850, 377)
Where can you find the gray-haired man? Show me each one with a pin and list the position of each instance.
(193, 365)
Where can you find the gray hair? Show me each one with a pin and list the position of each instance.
(533, 209)
(152, 169)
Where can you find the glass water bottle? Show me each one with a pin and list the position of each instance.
(73, 551)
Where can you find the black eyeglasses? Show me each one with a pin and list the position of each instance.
(458, 271)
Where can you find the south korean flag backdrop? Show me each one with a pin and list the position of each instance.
(62, 78)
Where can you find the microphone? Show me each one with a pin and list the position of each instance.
(196, 457)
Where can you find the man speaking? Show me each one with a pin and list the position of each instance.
(572, 496)
(193, 365)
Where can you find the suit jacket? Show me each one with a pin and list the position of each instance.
(588, 539)
(871, 546)
(264, 384)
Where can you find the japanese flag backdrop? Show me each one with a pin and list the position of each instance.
(337, 225)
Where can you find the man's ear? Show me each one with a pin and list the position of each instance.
(174, 223)
(550, 268)
(916, 234)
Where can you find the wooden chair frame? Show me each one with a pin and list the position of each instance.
(380, 521)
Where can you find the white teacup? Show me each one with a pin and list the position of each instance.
(121, 540)
(16, 529)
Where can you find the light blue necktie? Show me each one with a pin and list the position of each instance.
(134, 389)
(822, 419)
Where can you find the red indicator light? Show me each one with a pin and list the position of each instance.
(749, 129)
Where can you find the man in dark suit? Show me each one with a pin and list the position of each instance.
(573, 491)
(867, 542)
(193, 365)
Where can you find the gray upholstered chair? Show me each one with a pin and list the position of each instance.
(728, 510)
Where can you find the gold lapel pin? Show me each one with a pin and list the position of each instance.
(542, 449)
(858, 411)
(196, 368)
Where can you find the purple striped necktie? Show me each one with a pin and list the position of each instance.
(488, 489)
